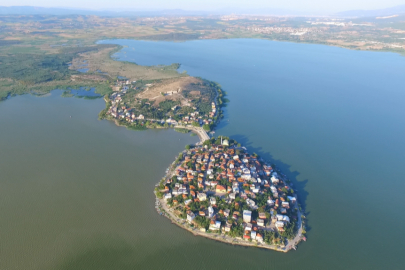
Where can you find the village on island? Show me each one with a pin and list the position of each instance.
(215, 188)
(218, 190)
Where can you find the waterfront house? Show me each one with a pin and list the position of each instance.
(190, 216)
(215, 225)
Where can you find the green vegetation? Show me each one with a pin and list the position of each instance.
(182, 130)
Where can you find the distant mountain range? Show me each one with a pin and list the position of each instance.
(30, 10)
(397, 10)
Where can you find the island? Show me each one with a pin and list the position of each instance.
(216, 189)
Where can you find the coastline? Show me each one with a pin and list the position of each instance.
(164, 210)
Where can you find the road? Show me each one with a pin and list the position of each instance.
(202, 134)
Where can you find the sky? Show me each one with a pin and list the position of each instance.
(209, 5)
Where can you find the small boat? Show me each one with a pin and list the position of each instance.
(294, 247)
(304, 238)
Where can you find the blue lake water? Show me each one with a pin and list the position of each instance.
(82, 92)
(333, 119)
(83, 70)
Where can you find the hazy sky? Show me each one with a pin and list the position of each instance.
(304, 5)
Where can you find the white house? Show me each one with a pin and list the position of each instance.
(202, 196)
(186, 202)
(190, 216)
(274, 180)
(210, 211)
(247, 215)
(215, 226)
(279, 224)
(292, 199)
(253, 235)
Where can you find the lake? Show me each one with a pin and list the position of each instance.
(76, 192)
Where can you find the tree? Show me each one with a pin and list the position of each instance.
(195, 124)
(188, 147)
(206, 127)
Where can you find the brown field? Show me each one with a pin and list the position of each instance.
(172, 90)
(102, 61)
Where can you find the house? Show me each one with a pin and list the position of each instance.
(285, 205)
(260, 222)
(213, 201)
(232, 196)
(141, 117)
(220, 189)
(262, 215)
(274, 180)
(259, 238)
(250, 203)
(215, 225)
(202, 196)
(186, 202)
(279, 224)
(210, 211)
(283, 218)
(226, 212)
(247, 216)
(190, 216)
(228, 227)
(253, 235)
(201, 213)
(167, 196)
(292, 199)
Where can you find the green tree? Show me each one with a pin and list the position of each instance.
(207, 127)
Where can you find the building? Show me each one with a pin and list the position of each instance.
(190, 216)
(215, 225)
(220, 189)
(202, 196)
(210, 212)
(247, 216)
